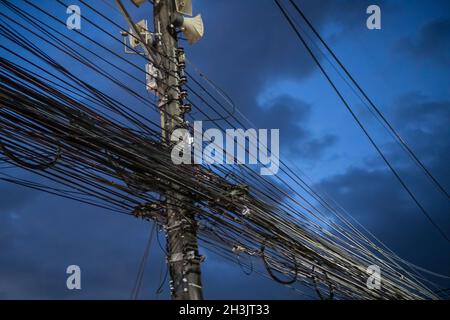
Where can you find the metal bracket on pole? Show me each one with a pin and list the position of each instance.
(146, 47)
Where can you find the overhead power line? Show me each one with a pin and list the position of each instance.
(399, 139)
(111, 156)
(359, 123)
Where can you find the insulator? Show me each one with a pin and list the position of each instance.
(183, 80)
(180, 50)
(181, 55)
(181, 65)
(186, 108)
(183, 94)
(181, 73)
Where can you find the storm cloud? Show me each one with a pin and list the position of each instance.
(248, 47)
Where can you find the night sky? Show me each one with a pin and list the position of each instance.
(251, 53)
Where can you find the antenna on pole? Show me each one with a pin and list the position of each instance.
(140, 36)
(133, 38)
(139, 32)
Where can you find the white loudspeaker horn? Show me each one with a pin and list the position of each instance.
(192, 28)
(184, 7)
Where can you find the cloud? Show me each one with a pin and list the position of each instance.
(291, 116)
(416, 109)
(247, 44)
(255, 45)
(315, 147)
(14, 197)
(55, 233)
(424, 124)
(378, 202)
(376, 199)
(432, 43)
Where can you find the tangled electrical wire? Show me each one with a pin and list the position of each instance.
(102, 152)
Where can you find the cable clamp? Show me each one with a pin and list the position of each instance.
(176, 257)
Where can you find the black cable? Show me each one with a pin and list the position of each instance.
(271, 273)
(290, 233)
(141, 271)
(422, 209)
(377, 110)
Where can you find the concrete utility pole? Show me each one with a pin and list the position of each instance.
(161, 49)
(183, 258)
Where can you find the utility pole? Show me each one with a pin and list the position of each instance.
(183, 257)
(165, 77)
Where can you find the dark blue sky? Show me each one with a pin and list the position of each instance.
(250, 51)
